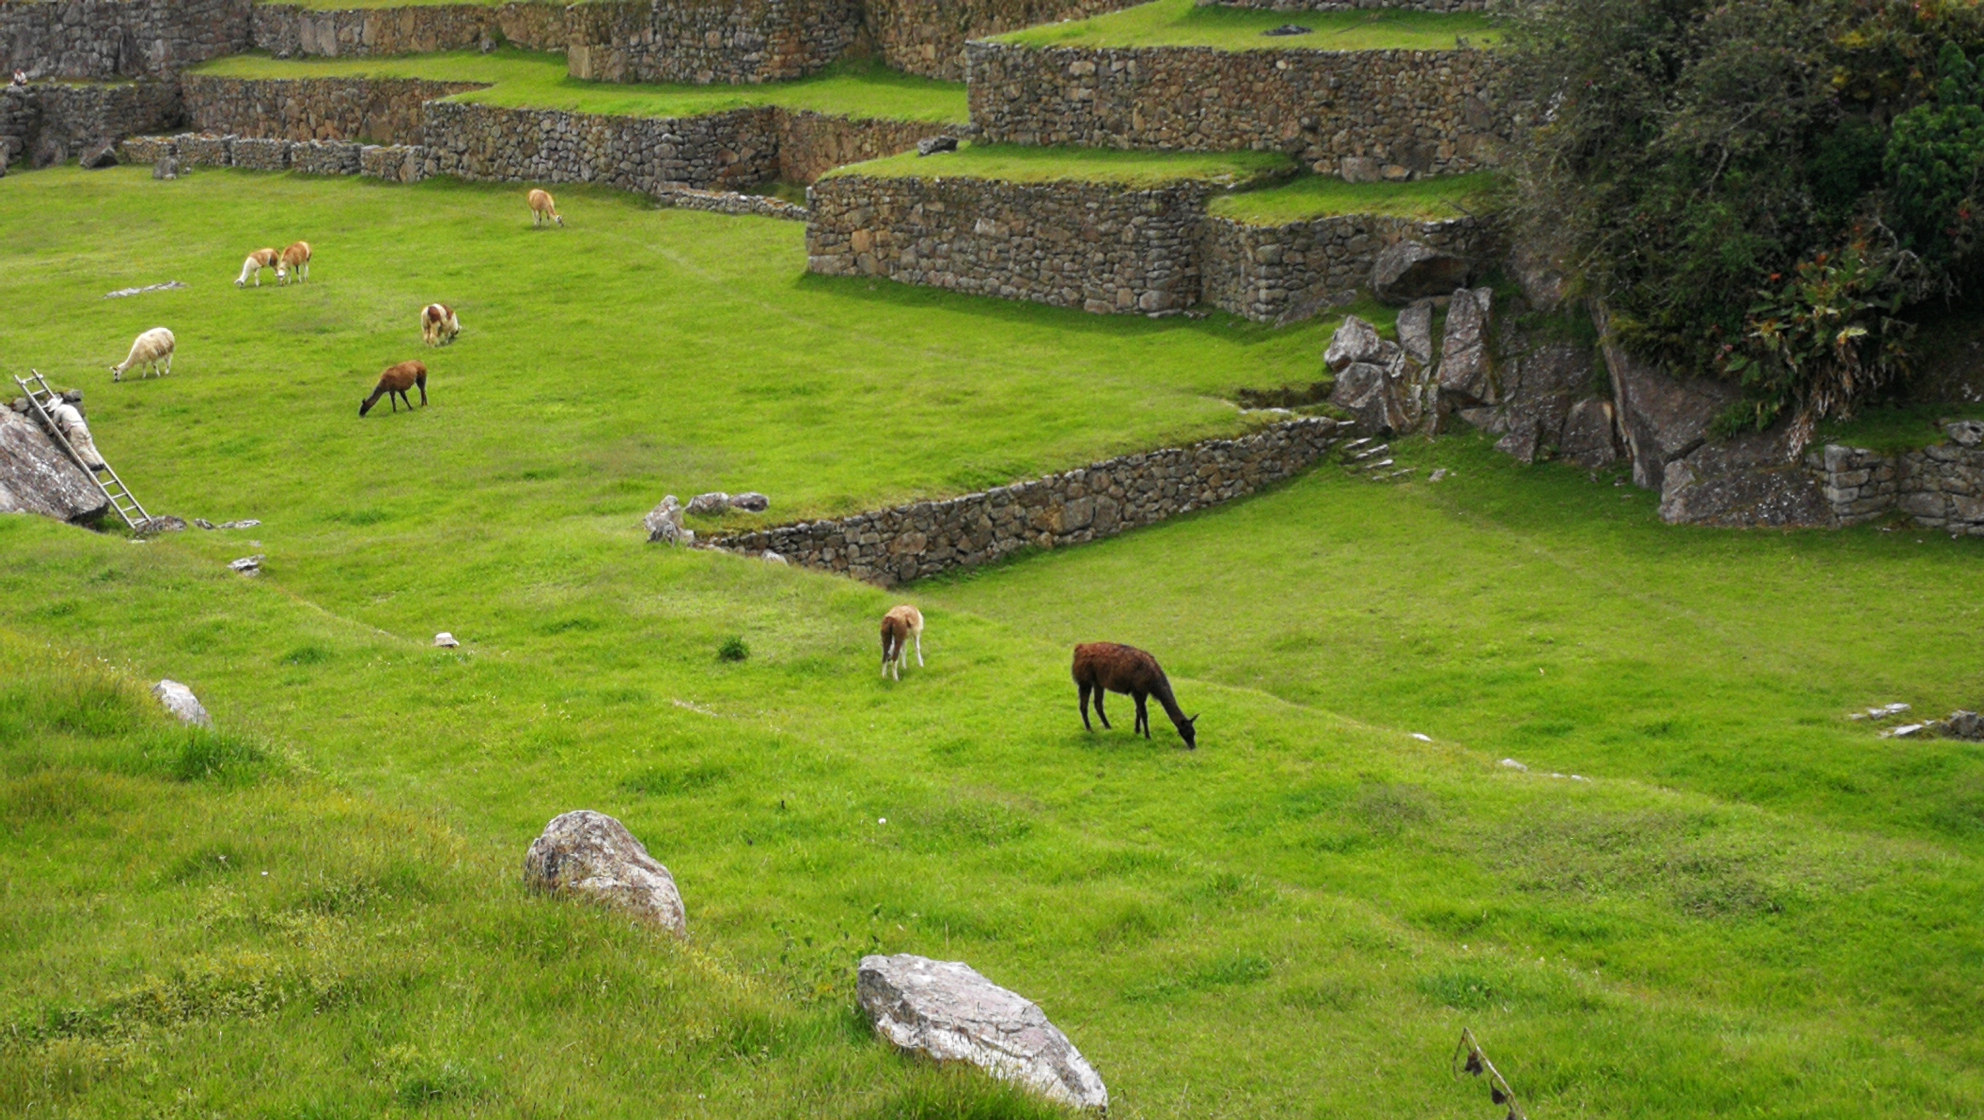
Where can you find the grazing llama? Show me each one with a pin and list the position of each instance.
(1107, 667)
(393, 385)
(898, 627)
(149, 348)
(295, 261)
(253, 266)
(543, 207)
(438, 325)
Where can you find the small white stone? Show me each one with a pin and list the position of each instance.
(445, 640)
(1514, 765)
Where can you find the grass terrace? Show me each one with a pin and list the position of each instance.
(1016, 163)
(335, 5)
(531, 80)
(1323, 196)
(1186, 23)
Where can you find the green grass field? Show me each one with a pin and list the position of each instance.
(531, 80)
(1754, 907)
(1322, 196)
(1015, 163)
(1187, 23)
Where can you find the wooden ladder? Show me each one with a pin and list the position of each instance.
(41, 403)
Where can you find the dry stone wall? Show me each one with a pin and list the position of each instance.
(480, 142)
(927, 37)
(287, 31)
(1355, 5)
(53, 121)
(709, 41)
(811, 144)
(1098, 247)
(1393, 114)
(1939, 487)
(102, 39)
(380, 110)
(1264, 272)
(914, 541)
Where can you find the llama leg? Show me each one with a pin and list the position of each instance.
(1086, 725)
(1143, 716)
(1101, 692)
(919, 649)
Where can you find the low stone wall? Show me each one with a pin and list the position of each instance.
(922, 539)
(708, 41)
(286, 30)
(1939, 487)
(733, 149)
(811, 144)
(101, 39)
(379, 110)
(1087, 245)
(1391, 114)
(1353, 5)
(927, 37)
(1262, 272)
(731, 202)
(51, 122)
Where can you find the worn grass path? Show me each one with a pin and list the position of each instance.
(1755, 907)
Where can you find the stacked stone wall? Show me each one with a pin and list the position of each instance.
(811, 144)
(379, 110)
(709, 41)
(1263, 272)
(103, 39)
(732, 149)
(1396, 114)
(286, 30)
(925, 538)
(927, 37)
(1352, 5)
(1939, 487)
(1069, 244)
(54, 121)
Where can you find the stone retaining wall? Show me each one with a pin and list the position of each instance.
(731, 202)
(915, 541)
(1353, 5)
(1262, 272)
(287, 31)
(1087, 245)
(100, 39)
(1362, 114)
(1940, 487)
(52, 122)
(709, 41)
(380, 110)
(480, 142)
(811, 144)
(927, 37)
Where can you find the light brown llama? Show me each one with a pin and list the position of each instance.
(394, 383)
(253, 266)
(899, 626)
(295, 261)
(543, 208)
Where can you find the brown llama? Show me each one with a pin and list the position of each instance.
(543, 208)
(294, 261)
(1102, 667)
(394, 383)
(898, 627)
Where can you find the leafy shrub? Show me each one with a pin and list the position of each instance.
(733, 649)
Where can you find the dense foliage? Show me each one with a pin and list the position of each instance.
(1764, 188)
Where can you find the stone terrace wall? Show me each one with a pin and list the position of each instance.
(927, 37)
(99, 39)
(285, 30)
(914, 541)
(733, 149)
(1085, 245)
(1940, 487)
(709, 41)
(811, 144)
(380, 110)
(1409, 112)
(1353, 5)
(1261, 272)
(53, 121)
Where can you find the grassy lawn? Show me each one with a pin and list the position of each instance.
(527, 79)
(331, 5)
(1014, 163)
(1754, 906)
(1186, 23)
(1322, 196)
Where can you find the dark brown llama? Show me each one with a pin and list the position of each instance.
(1102, 667)
(394, 383)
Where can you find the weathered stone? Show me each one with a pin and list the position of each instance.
(165, 523)
(931, 145)
(593, 855)
(1967, 433)
(1465, 372)
(1360, 169)
(48, 152)
(167, 167)
(709, 505)
(445, 640)
(1661, 417)
(1415, 331)
(248, 565)
(664, 522)
(180, 701)
(750, 501)
(1354, 341)
(99, 155)
(1589, 439)
(1538, 272)
(946, 1011)
(1964, 724)
(1408, 271)
(36, 477)
(1752, 480)
(1371, 395)
(1539, 384)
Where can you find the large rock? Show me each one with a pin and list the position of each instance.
(1408, 271)
(710, 505)
(1415, 331)
(36, 477)
(947, 1011)
(1354, 341)
(1538, 271)
(1466, 374)
(99, 155)
(1374, 397)
(750, 501)
(1539, 385)
(594, 855)
(664, 522)
(1661, 418)
(1749, 481)
(180, 701)
(1589, 437)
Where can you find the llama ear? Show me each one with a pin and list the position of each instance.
(1193, 719)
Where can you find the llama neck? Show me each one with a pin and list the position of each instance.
(1162, 693)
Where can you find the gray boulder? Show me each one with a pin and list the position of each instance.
(931, 145)
(664, 522)
(1750, 481)
(36, 477)
(1589, 440)
(1409, 270)
(1539, 384)
(948, 1012)
(1361, 169)
(1538, 271)
(1354, 341)
(1415, 331)
(750, 502)
(180, 701)
(1373, 397)
(1968, 433)
(592, 854)
(1964, 724)
(1661, 418)
(167, 167)
(100, 155)
(1465, 372)
(164, 523)
(709, 505)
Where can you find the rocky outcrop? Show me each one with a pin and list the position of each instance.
(1540, 384)
(184, 706)
(946, 1011)
(591, 854)
(1411, 270)
(1466, 372)
(1661, 417)
(38, 477)
(1591, 435)
(1752, 481)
